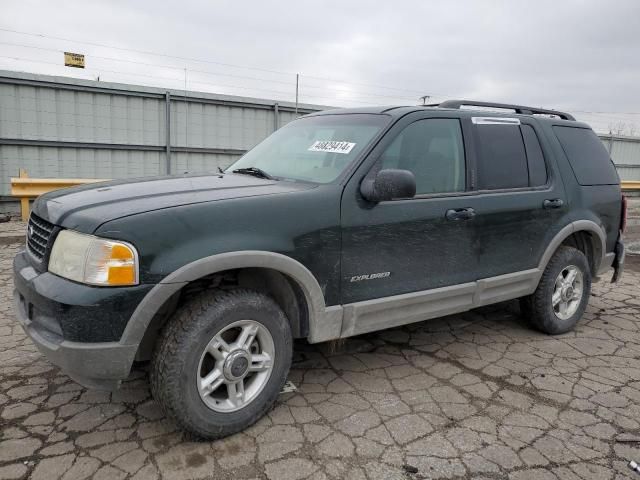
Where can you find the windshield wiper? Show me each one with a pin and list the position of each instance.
(255, 171)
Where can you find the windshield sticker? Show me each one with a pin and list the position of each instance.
(331, 146)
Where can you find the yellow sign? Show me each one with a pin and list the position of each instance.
(73, 60)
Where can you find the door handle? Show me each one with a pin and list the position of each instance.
(460, 214)
(553, 203)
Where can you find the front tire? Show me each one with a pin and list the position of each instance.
(221, 362)
(562, 294)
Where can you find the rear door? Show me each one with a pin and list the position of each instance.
(520, 198)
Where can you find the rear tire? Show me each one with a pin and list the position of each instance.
(562, 294)
(221, 362)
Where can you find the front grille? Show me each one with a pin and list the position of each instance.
(38, 235)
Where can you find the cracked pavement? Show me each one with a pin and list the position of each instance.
(478, 395)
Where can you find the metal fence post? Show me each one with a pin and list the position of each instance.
(276, 117)
(167, 121)
(297, 88)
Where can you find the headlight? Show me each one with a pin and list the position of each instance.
(93, 260)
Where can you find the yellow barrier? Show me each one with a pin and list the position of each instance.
(630, 185)
(26, 188)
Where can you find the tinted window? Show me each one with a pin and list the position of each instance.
(502, 162)
(589, 159)
(433, 150)
(535, 158)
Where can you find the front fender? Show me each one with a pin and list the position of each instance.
(323, 323)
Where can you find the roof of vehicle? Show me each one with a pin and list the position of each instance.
(486, 109)
(395, 110)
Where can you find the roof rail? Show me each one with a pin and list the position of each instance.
(456, 104)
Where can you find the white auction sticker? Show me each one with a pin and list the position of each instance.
(331, 146)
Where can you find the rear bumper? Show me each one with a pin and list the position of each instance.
(618, 260)
(613, 260)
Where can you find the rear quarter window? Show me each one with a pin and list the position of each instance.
(535, 157)
(587, 155)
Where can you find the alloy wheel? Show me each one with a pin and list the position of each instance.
(567, 292)
(235, 366)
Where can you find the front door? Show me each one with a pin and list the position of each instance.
(402, 246)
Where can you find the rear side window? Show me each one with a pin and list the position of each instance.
(589, 159)
(502, 161)
(535, 158)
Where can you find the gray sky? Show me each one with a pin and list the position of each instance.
(582, 56)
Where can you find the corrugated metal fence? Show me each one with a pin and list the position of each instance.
(62, 127)
(625, 152)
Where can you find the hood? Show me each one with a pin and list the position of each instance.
(86, 207)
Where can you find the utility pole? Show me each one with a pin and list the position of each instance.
(297, 88)
(425, 98)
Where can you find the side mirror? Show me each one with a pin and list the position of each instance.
(389, 184)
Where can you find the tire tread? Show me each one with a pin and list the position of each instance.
(177, 336)
(536, 307)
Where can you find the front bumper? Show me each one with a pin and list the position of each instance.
(51, 309)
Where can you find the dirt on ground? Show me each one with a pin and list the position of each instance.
(478, 395)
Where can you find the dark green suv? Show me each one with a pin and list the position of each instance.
(343, 222)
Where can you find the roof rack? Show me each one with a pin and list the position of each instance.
(456, 104)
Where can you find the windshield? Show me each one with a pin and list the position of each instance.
(316, 149)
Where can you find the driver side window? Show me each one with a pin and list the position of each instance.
(433, 150)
